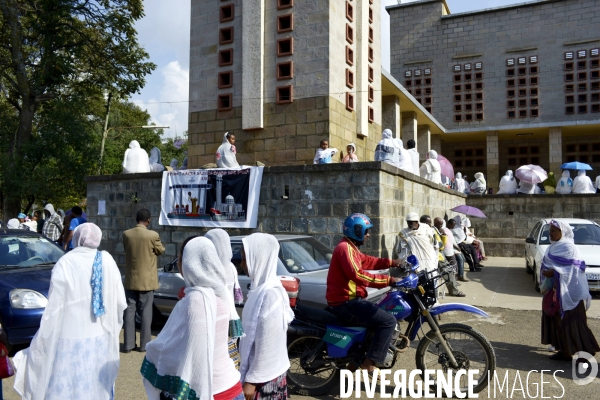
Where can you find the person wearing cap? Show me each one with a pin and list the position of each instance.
(22, 223)
(347, 283)
(418, 239)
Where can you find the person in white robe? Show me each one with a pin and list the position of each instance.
(418, 239)
(155, 161)
(13, 223)
(414, 155)
(528, 188)
(597, 184)
(386, 149)
(265, 318)
(431, 169)
(136, 159)
(459, 183)
(324, 154)
(191, 351)
(225, 157)
(479, 185)
(508, 184)
(565, 184)
(404, 158)
(582, 184)
(351, 156)
(75, 352)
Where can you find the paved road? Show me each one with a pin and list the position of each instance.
(506, 292)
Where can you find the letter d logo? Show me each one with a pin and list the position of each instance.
(584, 368)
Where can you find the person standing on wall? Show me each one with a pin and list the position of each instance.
(142, 246)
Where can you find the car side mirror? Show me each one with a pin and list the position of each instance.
(530, 240)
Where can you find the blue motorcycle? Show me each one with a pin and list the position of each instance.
(320, 344)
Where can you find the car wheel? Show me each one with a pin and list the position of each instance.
(536, 280)
(528, 268)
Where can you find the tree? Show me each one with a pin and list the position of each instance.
(51, 49)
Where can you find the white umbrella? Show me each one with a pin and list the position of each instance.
(531, 174)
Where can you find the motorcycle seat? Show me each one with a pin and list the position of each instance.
(321, 316)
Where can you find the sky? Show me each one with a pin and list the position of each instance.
(165, 34)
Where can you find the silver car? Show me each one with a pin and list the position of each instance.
(303, 257)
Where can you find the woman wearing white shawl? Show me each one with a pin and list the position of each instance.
(266, 317)
(508, 184)
(189, 358)
(135, 159)
(459, 183)
(431, 169)
(351, 157)
(226, 153)
(479, 185)
(386, 149)
(75, 353)
(418, 239)
(565, 184)
(222, 243)
(566, 330)
(404, 158)
(582, 184)
(597, 184)
(155, 160)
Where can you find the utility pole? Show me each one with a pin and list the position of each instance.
(105, 132)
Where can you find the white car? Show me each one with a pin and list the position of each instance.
(587, 240)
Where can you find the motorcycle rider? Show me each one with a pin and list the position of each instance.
(347, 284)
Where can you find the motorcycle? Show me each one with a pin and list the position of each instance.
(320, 344)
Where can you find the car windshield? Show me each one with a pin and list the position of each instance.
(27, 251)
(297, 255)
(584, 234)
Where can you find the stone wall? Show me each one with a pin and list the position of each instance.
(510, 218)
(320, 197)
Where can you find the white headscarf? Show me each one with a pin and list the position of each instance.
(386, 149)
(404, 158)
(582, 184)
(135, 159)
(222, 244)
(431, 169)
(565, 184)
(70, 335)
(569, 268)
(13, 223)
(459, 183)
(479, 185)
(508, 184)
(261, 258)
(226, 154)
(185, 346)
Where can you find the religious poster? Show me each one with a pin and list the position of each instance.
(215, 198)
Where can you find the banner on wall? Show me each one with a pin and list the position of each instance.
(214, 198)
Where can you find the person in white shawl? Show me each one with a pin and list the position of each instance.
(155, 160)
(459, 183)
(386, 149)
(414, 155)
(479, 185)
(431, 169)
(324, 154)
(75, 352)
(565, 184)
(13, 223)
(597, 184)
(189, 359)
(582, 184)
(508, 184)
(563, 275)
(226, 153)
(418, 239)
(135, 159)
(404, 158)
(266, 317)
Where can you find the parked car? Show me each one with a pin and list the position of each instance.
(587, 240)
(303, 257)
(26, 261)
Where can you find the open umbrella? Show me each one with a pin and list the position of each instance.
(470, 211)
(531, 174)
(576, 165)
(447, 168)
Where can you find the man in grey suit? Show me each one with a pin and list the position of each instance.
(142, 246)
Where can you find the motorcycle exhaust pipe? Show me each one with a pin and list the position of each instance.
(403, 349)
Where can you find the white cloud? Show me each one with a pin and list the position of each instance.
(170, 107)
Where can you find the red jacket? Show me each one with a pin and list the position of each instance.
(347, 278)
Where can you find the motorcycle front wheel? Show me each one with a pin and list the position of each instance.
(310, 378)
(470, 348)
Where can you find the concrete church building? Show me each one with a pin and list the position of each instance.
(285, 74)
(511, 85)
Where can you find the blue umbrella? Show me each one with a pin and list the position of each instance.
(576, 165)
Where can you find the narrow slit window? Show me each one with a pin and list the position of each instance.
(285, 70)
(371, 94)
(371, 54)
(285, 23)
(371, 115)
(371, 74)
(283, 4)
(349, 11)
(285, 47)
(349, 78)
(349, 101)
(226, 13)
(349, 56)
(349, 34)
(371, 35)
(226, 35)
(225, 79)
(225, 57)
(285, 94)
(224, 102)
(370, 15)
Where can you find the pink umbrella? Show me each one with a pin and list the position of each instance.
(531, 173)
(447, 168)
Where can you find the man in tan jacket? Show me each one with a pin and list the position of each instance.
(142, 246)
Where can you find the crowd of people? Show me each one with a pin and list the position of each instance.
(76, 349)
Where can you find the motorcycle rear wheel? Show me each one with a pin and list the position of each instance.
(469, 347)
(309, 383)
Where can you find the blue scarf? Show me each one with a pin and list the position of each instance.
(97, 301)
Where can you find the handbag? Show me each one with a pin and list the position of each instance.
(7, 368)
(550, 304)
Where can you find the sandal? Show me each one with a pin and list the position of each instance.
(559, 356)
